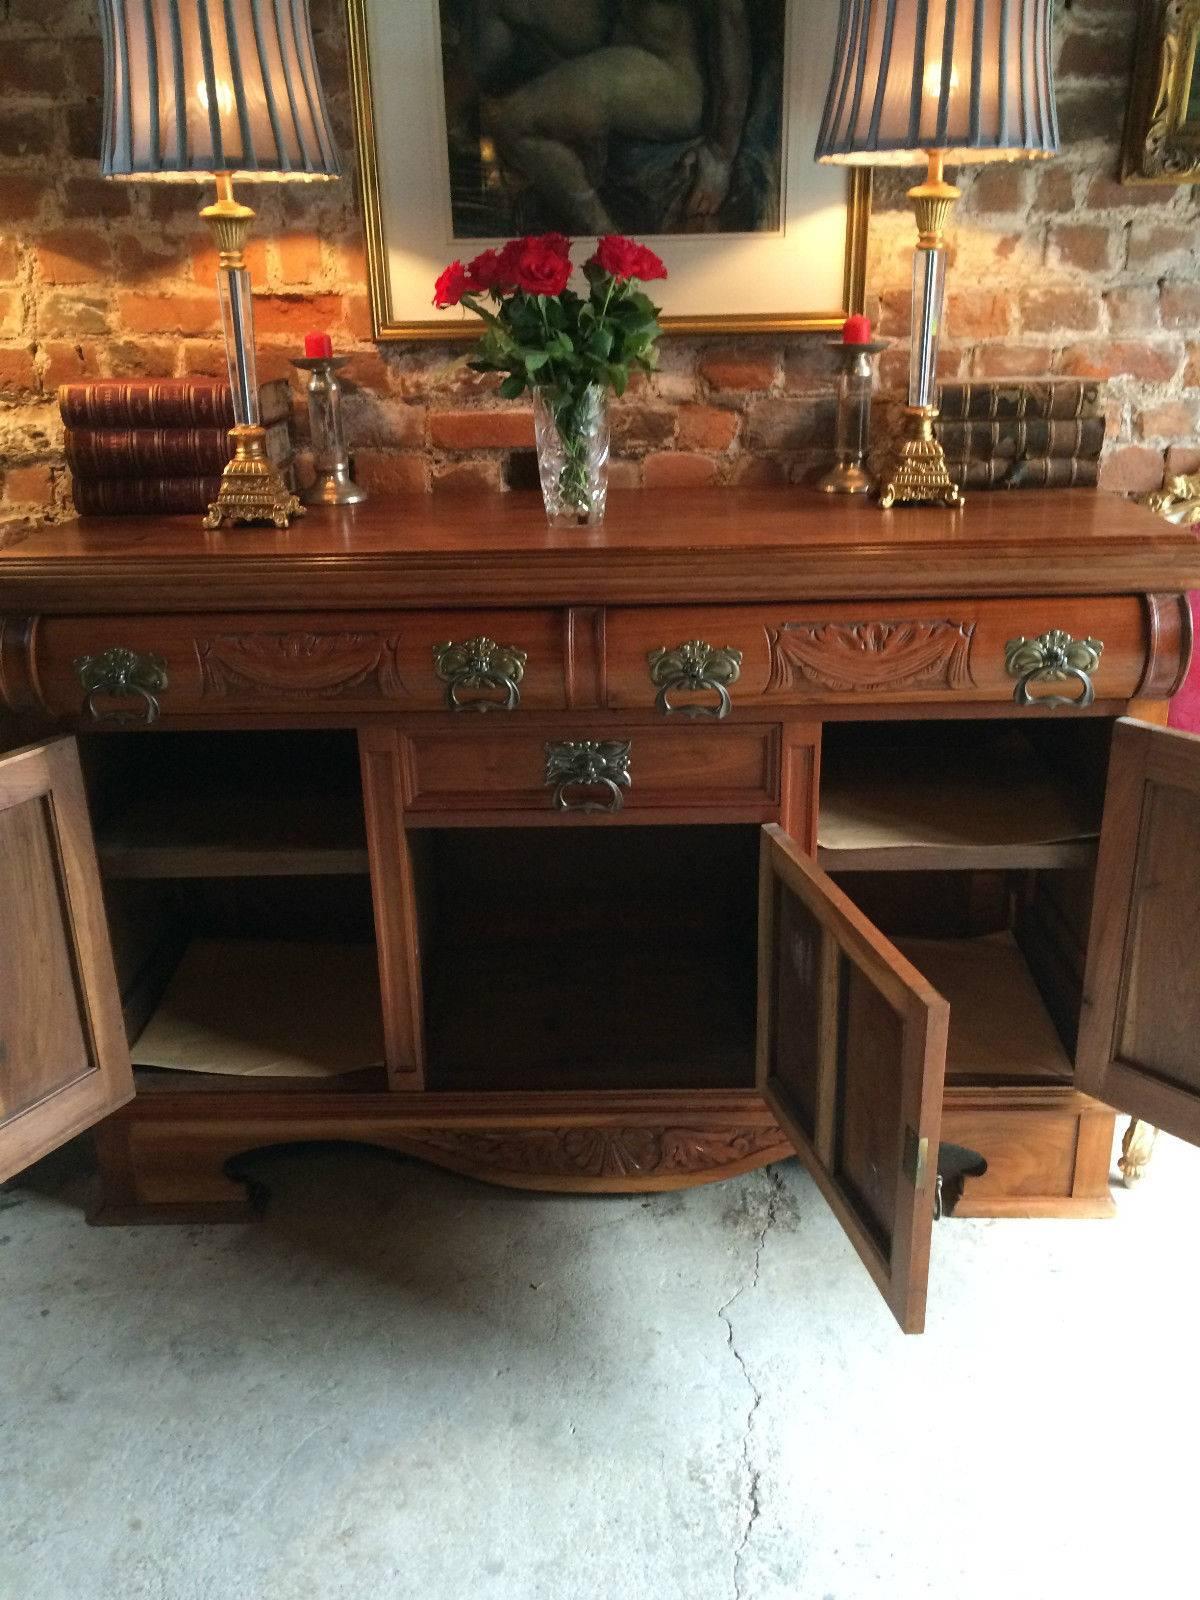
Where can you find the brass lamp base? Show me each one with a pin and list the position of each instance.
(917, 473)
(252, 486)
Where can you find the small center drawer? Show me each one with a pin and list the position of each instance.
(561, 776)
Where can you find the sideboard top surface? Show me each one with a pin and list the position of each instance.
(656, 547)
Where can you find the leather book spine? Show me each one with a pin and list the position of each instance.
(1063, 399)
(101, 497)
(1033, 472)
(160, 452)
(1080, 439)
(163, 403)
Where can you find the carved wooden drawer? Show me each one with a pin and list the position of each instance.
(557, 775)
(137, 668)
(706, 661)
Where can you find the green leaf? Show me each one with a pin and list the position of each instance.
(513, 386)
(618, 376)
(533, 359)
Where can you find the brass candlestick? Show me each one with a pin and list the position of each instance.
(917, 474)
(252, 488)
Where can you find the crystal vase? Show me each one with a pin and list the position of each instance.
(572, 448)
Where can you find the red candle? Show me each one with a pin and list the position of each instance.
(856, 330)
(318, 344)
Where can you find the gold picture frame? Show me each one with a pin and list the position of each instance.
(1162, 127)
(391, 323)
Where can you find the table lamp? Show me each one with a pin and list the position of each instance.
(220, 88)
(936, 81)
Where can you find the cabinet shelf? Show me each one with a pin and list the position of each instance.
(961, 798)
(1000, 1030)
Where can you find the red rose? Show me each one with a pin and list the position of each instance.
(540, 265)
(486, 272)
(625, 258)
(451, 286)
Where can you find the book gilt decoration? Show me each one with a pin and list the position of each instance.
(863, 657)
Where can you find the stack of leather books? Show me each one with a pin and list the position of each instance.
(1024, 434)
(153, 445)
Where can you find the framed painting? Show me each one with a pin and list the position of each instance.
(689, 124)
(1162, 125)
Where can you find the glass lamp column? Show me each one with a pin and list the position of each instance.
(252, 487)
(917, 472)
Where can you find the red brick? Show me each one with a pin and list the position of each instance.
(1120, 358)
(69, 363)
(706, 428)
(356, 316)
(374, 421)
(294, 315)
(1180, 304)
(73, 255)
(1172, 419)
(141, 358)
(92, 197)
(1107, 194)
(895, 314)
(17, 372)
(625, 472)
(1083, 244)
(788, 424)
(1087, 111)
(1001, 186)
(31, 67)
(366, 369)
(183, 313)
(636, 428)
(28, 131)
(21, 196)
(977, 314)
(205, 265)
(729, 370)
(1048, 310)
(673, 469)
(383, 472)
(1132, 310)
(65, 314)
(10, 311)
(1191, 371)
(10, 261)
(1182, 460)
(1132, 469)
(1012, 361)
(759, 472)
(1096, 55)
(299, 257)
(481, 430)
(205, 358)
(142, 258)
(1054, 189)
(25, 485)
(1150, 242)
(468, 477)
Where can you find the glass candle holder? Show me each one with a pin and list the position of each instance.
(333, 485)
(852, 439)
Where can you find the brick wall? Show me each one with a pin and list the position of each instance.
(1056, 269)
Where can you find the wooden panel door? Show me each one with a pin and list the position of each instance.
(64, 1060)
(852, 1059)
(1139, 1035)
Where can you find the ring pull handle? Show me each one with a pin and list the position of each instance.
(695, 664)
(588, 764)
(121, 674)
(479, 665)
(1053, 657)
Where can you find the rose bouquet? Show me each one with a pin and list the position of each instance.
(569, 349)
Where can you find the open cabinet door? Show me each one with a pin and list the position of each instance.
(64, 1060)
(1139, 1033)
(852, 1059)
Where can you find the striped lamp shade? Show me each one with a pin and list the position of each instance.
(972, 78)
(200, 86)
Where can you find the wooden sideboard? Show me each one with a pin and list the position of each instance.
(749, 824)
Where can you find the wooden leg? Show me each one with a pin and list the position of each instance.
(1136, 1149)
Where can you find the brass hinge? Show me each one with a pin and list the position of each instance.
(916, 1159)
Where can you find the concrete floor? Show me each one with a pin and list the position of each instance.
(403, 1384)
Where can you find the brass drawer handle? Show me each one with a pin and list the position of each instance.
(480, 664)
(589, 764)
(1053, 657)
(121, 674)
(695, 664)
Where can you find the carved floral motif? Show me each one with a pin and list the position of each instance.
(598, 1152)
(301, 663)
(868, 657)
